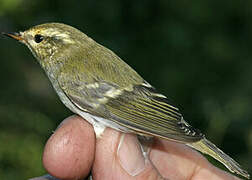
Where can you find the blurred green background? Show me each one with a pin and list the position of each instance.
(198, 53)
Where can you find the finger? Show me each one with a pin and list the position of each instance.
(119, 156)
(178, 161)
(69, 152)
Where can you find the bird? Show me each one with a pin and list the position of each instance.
(95, 83)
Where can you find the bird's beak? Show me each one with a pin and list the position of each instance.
(17, 36)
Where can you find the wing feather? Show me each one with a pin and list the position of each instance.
(143, 111)
(139, 109)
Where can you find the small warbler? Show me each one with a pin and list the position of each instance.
(96, 84)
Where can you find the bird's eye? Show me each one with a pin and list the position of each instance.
(38, 38)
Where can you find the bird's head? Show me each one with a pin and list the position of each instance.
(52, 41)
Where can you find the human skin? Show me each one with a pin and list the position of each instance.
(73, 151)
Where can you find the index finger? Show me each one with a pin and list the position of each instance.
(178, 161)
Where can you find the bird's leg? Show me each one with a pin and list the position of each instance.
(146, 142)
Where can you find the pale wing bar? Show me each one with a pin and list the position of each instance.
(142, 111)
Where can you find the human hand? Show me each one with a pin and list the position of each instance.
(73, 151)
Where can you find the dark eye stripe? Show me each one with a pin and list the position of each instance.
(38, 38)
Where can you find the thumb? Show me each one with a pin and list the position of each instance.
(119, 156)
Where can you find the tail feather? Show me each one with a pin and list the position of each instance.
(209, 148)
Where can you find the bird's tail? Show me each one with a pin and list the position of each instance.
(209, 148)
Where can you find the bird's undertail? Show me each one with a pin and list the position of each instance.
(209, 148)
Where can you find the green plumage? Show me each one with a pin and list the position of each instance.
(95, 83)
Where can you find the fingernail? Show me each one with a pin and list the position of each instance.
(130, 155)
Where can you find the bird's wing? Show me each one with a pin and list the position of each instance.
(139, 108)
(88, 97)
(144, 110)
